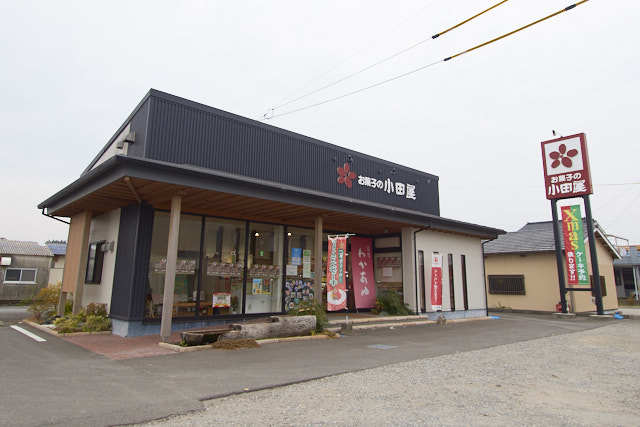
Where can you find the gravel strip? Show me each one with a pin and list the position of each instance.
(584, 378)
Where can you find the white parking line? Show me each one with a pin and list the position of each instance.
(27, 333)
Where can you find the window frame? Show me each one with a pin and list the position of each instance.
(98, 261)
(492, 291)
(20, 281)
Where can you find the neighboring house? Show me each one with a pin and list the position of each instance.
(521, 271)
(627, 270)
(59, 251)
(24, 269)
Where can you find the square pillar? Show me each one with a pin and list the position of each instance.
(170, 271)
(409, 282)
(317, 265)
(75, 266)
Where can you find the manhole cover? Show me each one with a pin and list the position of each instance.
(382, 346)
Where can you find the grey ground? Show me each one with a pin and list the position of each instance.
(585, 378)
(57, 383)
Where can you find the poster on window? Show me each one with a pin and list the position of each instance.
(575, 255)
(221, 300)
(306, 263)
(296, 256)
(336, 280)
(436, 281)
(364, 287)
(297, 291)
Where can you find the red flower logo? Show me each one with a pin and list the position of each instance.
(562, 156)
(345, 175)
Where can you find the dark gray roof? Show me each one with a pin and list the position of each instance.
(533, 237)
(57, 248)
(631, 257)
(17, 247)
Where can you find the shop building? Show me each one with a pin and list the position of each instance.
(191, 216)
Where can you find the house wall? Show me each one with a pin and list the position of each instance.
(457, 245)
(541, 282)
(18, 292)
(104, 227)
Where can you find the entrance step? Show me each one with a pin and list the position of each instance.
(372, 319)
(337, 325)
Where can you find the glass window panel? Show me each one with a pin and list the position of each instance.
(299, 269)
(221, 290)
(28, 276)
(12, 275)
(264, 268)
(187, 266)
(91, 264)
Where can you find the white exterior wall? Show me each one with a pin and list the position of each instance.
(446, 243)
(55, 273)
(104, 227)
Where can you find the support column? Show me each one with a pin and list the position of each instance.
(559, 260)
(409, 282)
(595, 268)
(317, 265)
(636, 274)
(170, 271)
(75, 268)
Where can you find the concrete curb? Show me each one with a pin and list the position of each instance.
(403, 324)
(58, 334)
(374, 319)
(181, 349)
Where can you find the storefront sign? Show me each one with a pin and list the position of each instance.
(436, 281)
(336, 281)
(576, 257)
(364, 288)
(566, 167)
(306, 263)
(221, 300)
(400, 189)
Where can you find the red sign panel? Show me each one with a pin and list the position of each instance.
(364, 288)
(436, 281)
(566, 167)
(336, 280)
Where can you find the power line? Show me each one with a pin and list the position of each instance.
(381, 61)
(337, 64)
(266, 117)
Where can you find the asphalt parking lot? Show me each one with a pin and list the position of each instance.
(55, 382)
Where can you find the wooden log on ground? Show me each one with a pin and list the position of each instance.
(278, 327)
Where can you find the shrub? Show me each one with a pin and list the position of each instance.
(391, 303)
(66, 325)
(95, 309)
(45, 303)
(96, 323)
(309, 308)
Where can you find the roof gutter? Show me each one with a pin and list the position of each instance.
(57, 219)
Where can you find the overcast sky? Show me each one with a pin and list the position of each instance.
(71, 72)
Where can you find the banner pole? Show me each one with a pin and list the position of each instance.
(559, 261)
(595, 270)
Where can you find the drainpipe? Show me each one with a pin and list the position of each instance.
(415, 267)
(484, 278)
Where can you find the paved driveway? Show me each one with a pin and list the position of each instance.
(56, 382)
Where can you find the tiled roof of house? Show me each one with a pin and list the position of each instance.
(534, 237)
(57, 248)
(17, 247)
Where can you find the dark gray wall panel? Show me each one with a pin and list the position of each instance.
(184, 132)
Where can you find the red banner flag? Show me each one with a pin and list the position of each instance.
(336, 280)
(575, 255)
(436, 281)
(364, 286)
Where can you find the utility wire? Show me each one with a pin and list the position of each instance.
(517, 29)
(381, 61)
(337, 64)
(415, 70)
(436, 35)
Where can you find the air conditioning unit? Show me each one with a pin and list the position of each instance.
(5, 260)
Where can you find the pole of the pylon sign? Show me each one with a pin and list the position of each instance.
(595, 271)
(559, 261)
